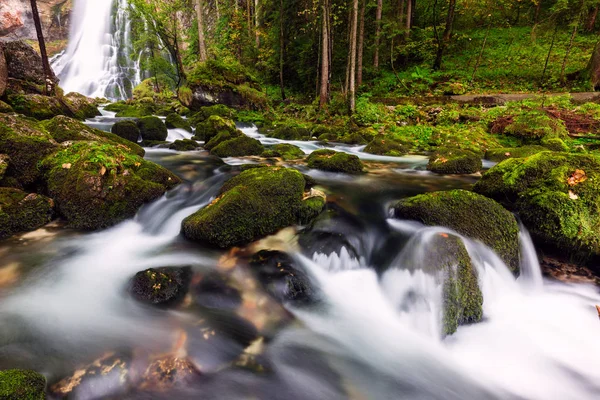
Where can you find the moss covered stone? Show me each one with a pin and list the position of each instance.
(554, 144)
(290, 132)
(333, 161)
(255, 203)
(161, 287)
(38, 106)
(503, 153)
(385, 146)
(220, 110)
(288, 151)
(238, 147)
(176, 121)
(469, 214)
(152, 128)
(454, 161)
(18, 384)
(22, 212)
(5, 108)
(137, 110)
(212, 127)
(184, 145)
(127, 130)
(96, 185)
(81, 107)
(557, 195)
(4, 160)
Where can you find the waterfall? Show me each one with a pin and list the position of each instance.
(98, 61)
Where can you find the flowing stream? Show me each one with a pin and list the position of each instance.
(373, 330)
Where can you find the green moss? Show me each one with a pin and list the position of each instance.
(288, 151)
(38, 106)
(81, 106)
(21, 212)
(362, 136)
(152, 128)
(4, 160)
(127, 130)
(270, 154)
(175, 121)
(136, 110)
(386, 146)
(184, 145)
(16, 384)
(470, 215)
(290, 132)
(310, 209)
(554, 144)
(213, 126)
(454, 161)
(503, 153)
(255, 203)
(533, 124)
(559, 207)
(5, 108)
(219, 110)
(329, 160)
(238, 147)
(221, 137)
(96, 185)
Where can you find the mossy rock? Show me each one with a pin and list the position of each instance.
(385, 146)
(504, 153)
(65, 129)
(238, 147)
(26, 145)
(221, 137)
(137, 110)
(38, 106)
(127, 130)
(152, 128)
(5, 108)
(333, 161)
(554, 144)
(81, 107)
(253, 204)
(96, 185)
(219, 110)
(212, 127)
(454, 161)
(161, 287)
(290, 132)
(18, 384)
(23, 212)
(184, 145)
(4, 160)
(531, 125)
(471, 215)
(176, 121)
(269, 153)
(362, 136)
(557, 196)
(447, 259)
(288, 151)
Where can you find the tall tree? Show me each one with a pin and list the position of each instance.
(445, 39)
(281, 49)
(409, 12)
(325, 38)
(361, 43)
(593, 69)
(201, 40)
(591, 22)
(378, 13)
(353, 48)
(49, 86)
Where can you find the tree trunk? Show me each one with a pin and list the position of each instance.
(324, 87)
(281, 50)
(353, 37)
(549, 53)
(591, 22)
(249, 16)
(201, 41)
(570, 46)
(442, 44)
(408, 19)
(593, 68)
(361, 43)
(257, 23)
(377, 32)
(49, 86)
(538, 8)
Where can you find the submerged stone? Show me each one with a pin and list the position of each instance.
(161, 287)
(469, 214)
(22, 212)
(454, 161)
(333, 161)
(18, 384)
(215, 291)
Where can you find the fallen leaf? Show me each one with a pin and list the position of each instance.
(577, 177)
(66, 166)
(102, 170)
(572, 195)
(507, 154)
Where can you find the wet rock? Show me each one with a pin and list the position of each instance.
(385, 146)
(17, 384)
(127, 110)
(205, 95)
(175, 121)
(161, 287)
(504, 153)
(212, 126)
(281, 278)
(332, 161)
(255, 203)
(108, 376)
(184, 145)
(24, 63)
(469, 214)
(127, 130)
(38, 106)
(569, 272)
(214, 291)
(220, 110)
(291, 132)
(285, 151)
(168, 372)
(96, 185)
(23, 212)
(82, 107)
(454, 161)
(557, 196)
(152, 128)
(238, 147)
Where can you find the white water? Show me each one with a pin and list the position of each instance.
(98, 60)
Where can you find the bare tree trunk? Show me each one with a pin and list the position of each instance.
(281, 50)
(201, 41)
(570, 46)
(361, 43)
(538, 8)
(217, 10)
(549, 53)
(593, 68)
(378, 13)
(353, 37)
(408, 19)
(591, 22)
(49, 86)
(442, 44)
(324, 87)
(257, 23)
(249, 16)
(481, 51)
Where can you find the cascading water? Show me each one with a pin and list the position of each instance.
(98, 61)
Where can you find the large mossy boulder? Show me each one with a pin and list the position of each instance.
(253, 204)
(291, 132)
(557, 196)
(135, 110)
(238, 147)
(81, 107)
(220, 110)
(212, 127)
(333, 161)
(24, 63)
(454, 161)
(176, 121)
(152, 128)
(23, 212)
(221, 137)
(127, 130)
(161, 287)
(38, 106)
(286, 151)
(384, 146)
(469, 214)
(18, 384)
(503, 153)
(96, 185)
(184, 145)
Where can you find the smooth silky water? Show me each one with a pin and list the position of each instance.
(373, 331)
